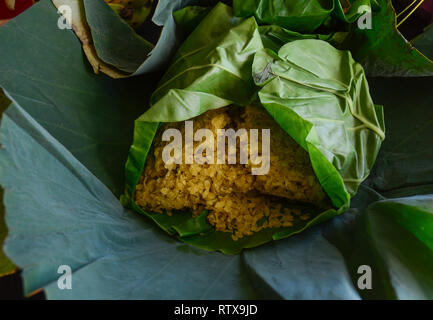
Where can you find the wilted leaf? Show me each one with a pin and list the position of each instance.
(322, 103)
(81, 29)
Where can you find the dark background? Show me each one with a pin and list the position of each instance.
(11, 288)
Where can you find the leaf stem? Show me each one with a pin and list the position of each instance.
(414, 9)
(407, 8)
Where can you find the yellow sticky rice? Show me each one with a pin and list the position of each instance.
(238, 202)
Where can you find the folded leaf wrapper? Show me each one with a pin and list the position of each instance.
(322, 102)
(113, 47)
(6, 266)
(74, 14)
(299, 15)
(378, 46)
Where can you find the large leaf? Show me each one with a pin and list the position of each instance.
(115, 41)
(114, 48)
(403, 169)
(215, 30)
(78, 22)
(295, 15)
(305, 16)
(113, 253)
(307, 266)
(401, 232)
(393, 238)
(6, 266)
(72, 219)
(327, 110)
(342, 129)
(171, 35)
(225, 79)
(424, 43)
(111, 46)
(274, 37)
(382, 49)
(4, 102)
(92, 116)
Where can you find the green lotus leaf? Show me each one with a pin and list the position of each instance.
(300, 15)
(342, 130)
(379, 46)
(383, 50)
(424, 42)
(114, 48)
(6, 266)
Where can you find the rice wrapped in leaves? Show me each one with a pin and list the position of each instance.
(238, 201)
